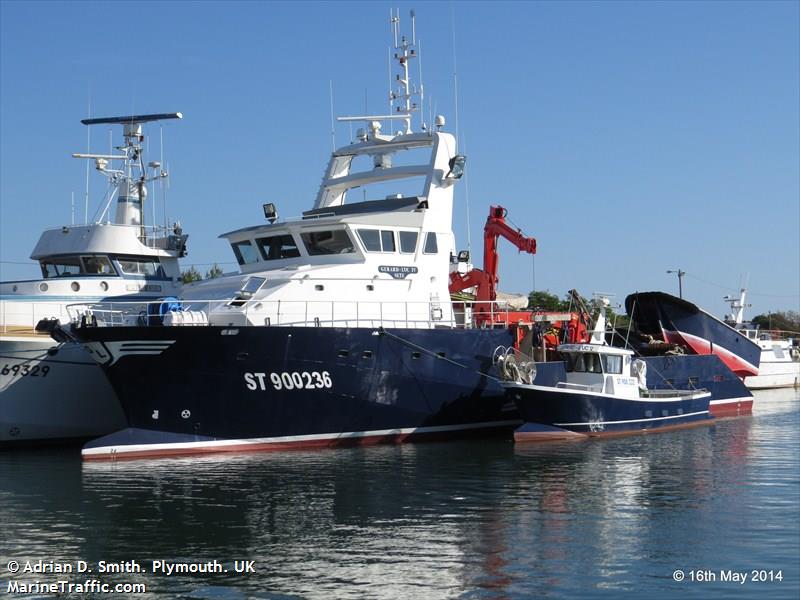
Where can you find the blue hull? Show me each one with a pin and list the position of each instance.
(194, 389)
(187, 390)
(557, 413)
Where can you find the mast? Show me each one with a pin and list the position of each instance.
(130, 179)
(401, 106)
(737, 308)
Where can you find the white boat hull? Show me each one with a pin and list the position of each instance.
(52, 397)
(775, 375)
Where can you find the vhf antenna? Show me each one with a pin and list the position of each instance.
(404, 52)
(131, 190)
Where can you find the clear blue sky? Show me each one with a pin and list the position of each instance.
(628, 138)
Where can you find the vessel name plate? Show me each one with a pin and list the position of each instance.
(398, 272)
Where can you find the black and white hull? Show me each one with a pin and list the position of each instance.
(188, 390)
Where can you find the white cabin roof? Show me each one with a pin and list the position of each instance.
(594, 348)
(99, 238)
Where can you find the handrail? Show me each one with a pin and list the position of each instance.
(298, 313)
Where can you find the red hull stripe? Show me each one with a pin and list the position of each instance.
(731, 407)
(702, 346)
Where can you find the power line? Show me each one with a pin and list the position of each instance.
(729, 288)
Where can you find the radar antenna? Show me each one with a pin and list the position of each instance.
(130, 179)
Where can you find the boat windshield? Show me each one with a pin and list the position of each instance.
(612, 363)
(141, 266)
(335, 241)
(276, 247)
(583, 362)
(71, 266)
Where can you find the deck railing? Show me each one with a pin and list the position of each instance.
(20, 318)
(284, 313)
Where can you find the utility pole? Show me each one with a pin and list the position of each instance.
(680, 280)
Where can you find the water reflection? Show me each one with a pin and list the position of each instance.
(474, 520)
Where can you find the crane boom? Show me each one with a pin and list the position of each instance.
(485, 280)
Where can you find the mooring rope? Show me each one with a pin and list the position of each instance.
(382, 331)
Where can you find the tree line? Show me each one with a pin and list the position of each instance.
(543, 300)
(192, 274)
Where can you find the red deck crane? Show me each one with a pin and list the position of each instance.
(486, 312)
(485, 280)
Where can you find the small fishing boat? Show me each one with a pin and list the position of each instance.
(600, 390)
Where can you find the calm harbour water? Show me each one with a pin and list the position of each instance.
(603, 518)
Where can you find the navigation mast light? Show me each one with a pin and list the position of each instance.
(270, 212)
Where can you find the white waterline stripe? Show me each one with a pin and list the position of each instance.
(695, 395)
(731, 400)
(294, 438)
(702, 412)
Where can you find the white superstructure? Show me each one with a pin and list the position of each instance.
(365, 254)
(60, 393)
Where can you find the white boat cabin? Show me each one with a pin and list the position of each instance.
(602, 369)
(107, 258)
(375, 249)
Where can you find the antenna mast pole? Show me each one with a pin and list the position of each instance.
(405, 53)
(88, 150)
(333, 122)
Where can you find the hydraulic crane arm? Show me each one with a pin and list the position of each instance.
(485, 280)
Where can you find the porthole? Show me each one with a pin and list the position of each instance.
(43, 287)
(104, 286)
(75, 286)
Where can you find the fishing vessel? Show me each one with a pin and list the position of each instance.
(340, 328)
(56, 392)
(599, 390)
(779, 364)
(665, 326)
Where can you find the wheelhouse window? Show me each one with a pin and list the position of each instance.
(387, 241)
(245, 252)
(431, 247)
(70, 266)
(408, 241)
(583, 362)
(612, 363)
(143, 267)
(371, 238)
(276, 247)
(335, 241)
(376, 240)
(97, 265)
(61, 266)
